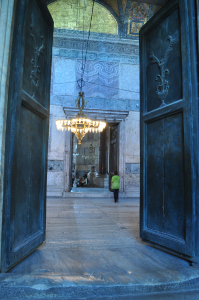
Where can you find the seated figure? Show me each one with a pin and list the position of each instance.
(80, 182)
(91, 176)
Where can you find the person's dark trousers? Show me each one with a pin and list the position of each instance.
(116, 194)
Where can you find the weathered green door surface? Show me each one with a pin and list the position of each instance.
(169, 129)
(24, 212)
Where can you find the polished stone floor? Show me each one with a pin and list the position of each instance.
(95, 242)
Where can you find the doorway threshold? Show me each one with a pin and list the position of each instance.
(87, 192)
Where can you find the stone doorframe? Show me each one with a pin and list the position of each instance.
(103, 115)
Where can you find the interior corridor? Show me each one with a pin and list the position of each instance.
(93, 241)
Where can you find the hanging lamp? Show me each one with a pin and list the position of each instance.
(81, 125)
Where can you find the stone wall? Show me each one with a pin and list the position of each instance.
(58, 178)
(132, 164)
(111, 78)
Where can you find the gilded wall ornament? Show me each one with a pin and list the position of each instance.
(91, 156)
(163, 87)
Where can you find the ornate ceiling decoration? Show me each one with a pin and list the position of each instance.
(112, 2)
(72, 15)
(116, 17)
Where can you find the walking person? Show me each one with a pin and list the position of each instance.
(115, 185)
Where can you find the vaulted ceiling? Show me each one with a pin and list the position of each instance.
(129, 15)
(114, 3)
(155, 2)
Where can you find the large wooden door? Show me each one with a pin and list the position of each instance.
(169, 129)
(24, 210)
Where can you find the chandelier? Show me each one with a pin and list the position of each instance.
(80, 125)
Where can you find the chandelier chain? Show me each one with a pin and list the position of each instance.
(85, 57)
(81, 125)
(83, 41)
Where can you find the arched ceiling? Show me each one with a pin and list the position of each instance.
(76, 15)
(116, 3)
(122, 17)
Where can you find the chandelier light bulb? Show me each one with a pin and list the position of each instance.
(80, 125)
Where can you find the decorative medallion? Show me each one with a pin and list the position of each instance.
(139, 14)
(91, 156)
(138, 11)
(163, 87)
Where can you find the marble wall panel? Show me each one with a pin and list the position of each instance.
(57, 138)
(133, 137)
(132, 168)
(55, 179)
(101, 78)
(57, 111)
(129, 81)
(132, 181)
(54, 155)
(55, 52)
(112, 104)
(55, 165)
(70, 53)
(63, 73)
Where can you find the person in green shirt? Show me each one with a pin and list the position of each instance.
(115, 185)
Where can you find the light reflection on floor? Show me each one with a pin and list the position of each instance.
(96, 241)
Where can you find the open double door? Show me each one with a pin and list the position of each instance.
(169, 131)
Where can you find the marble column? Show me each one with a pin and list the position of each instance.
(103, 154)
(56, 154)
(68, 162)
(122, 156)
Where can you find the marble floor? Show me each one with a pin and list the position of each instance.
(95, 242)
(89, 190)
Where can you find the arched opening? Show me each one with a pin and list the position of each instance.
(75, 15)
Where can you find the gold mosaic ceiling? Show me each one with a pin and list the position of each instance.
(125, 19)
(70, 15)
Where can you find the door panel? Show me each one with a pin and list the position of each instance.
(165, 176)
(168, 122)
(24, 214)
